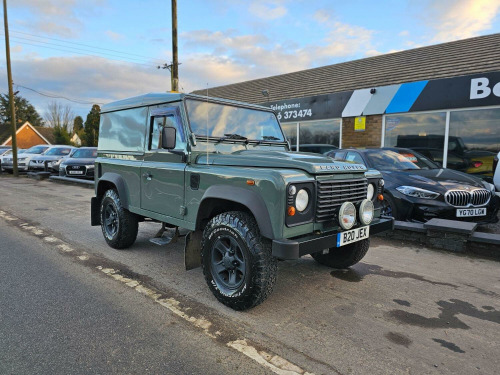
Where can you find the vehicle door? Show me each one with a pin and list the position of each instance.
(162, 172)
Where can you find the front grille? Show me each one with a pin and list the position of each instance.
(464, 198)
(332, 193)
(76, 167)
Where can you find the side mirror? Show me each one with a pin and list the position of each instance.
(168, 137)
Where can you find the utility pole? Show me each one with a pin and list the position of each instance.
(11, 92)
(175, 62)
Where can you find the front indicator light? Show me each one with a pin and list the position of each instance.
(291, 211)
(366, 211)
(347, 215)
(380, 197)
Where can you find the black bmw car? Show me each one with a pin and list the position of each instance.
(417, 189)
(80, 163)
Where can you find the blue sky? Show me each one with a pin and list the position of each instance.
(102, 50)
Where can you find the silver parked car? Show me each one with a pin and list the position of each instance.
(53, 156)
(23, 158)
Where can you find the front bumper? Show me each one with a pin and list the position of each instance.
(86, 172)
(422, 210)
(10, 167)
(297, 247)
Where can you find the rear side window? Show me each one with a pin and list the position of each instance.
(123, 130)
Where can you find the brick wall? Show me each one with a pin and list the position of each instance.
(368, 138)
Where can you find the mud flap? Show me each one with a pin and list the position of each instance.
(192, 250)
(95, 214)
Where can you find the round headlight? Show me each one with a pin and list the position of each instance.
(301, 200)
(347, 215)
(366, 212)
(370, 191)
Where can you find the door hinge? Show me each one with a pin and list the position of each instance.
(183, 210)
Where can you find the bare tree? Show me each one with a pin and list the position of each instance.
(59, 116)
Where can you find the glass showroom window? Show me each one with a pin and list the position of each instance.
(290, 130)
(474, 140)
(422, 132)
(319, 136)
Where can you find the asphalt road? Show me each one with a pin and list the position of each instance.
(403, 310)
(57, 317)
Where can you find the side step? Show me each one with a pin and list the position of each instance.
(160, 240)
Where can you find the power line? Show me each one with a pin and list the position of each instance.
(57, 96)
(72, 48)
(85, 45)
(83, 54)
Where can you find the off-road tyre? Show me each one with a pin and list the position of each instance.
(119, 226)
(256, 269)
(345, 256)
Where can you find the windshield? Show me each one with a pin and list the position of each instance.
(36, 150)
(417, 159)
(85, 153)
(58, 151)
(385, 160)
(221, 120)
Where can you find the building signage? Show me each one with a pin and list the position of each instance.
(459, 92)
(360, 124)
(480, 89)
(310, 108)
(440, 94)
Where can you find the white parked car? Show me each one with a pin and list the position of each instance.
(23, 158)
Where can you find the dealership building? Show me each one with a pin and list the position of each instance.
(442, 100)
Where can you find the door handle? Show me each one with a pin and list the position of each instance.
(148, 176)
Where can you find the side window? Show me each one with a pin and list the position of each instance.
(159, 122)
(336, 155)
(354, 157)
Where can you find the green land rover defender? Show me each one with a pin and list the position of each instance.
(223, 171)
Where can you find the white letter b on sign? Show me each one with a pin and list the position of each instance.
(479, 88)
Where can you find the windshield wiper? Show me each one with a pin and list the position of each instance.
(267, 138)
(233, 136)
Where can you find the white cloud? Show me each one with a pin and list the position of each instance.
(113, 36)
(347, 40)
(57, 17)
(249, 56)
(84, 78)
(460, 19)
(226, 57)
(404, 33)
(322, 15)
(268, 10)
(16, 49)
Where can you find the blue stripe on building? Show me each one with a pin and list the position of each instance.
(405, 97)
